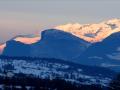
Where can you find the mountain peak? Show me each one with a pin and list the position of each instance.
(55, 33)
(92, 32)
(54, 43)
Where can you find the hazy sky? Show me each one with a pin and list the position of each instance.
(31, 16)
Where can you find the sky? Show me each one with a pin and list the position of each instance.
(21, 17)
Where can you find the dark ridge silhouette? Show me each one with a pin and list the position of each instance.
(101, 50)
(53, 44)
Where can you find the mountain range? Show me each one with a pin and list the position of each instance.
(88, 44)
(92, 32)
(53, 44)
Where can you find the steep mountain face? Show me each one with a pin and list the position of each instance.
(59, 44)
(53, 44)
(105, 53)
(92, 32)
(16, 48)
(25, 39)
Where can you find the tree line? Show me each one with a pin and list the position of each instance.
(36, 83)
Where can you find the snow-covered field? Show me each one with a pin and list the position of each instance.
(46, 69)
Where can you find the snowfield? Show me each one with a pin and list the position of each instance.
(50, 69)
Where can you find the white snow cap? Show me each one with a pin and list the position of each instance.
(92, 32)
(28, 40)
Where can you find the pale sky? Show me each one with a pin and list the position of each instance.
(31, 16)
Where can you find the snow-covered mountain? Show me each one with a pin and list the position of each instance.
(94, 49)
(59, 44)
(25, 39)
(88, 32)
(74, 43)
(92, 32)
(16, 48)
(105, 53)
(53, 44)
(2, 46)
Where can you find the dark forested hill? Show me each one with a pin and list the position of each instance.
(51, 69)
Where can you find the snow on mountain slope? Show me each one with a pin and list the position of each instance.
(68, 44)
(105, 53)
(87, 32)
(92, 32)
(2, 46)
(27, 40)
(53, 44)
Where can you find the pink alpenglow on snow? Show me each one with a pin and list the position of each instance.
(92, 32)
(2, 46)
(27, 40)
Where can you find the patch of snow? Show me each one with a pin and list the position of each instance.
(2, 46)
(27, 40)
(80, 70)
(95, 57)
(115, 56)
(109, 65)
(118, 49)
